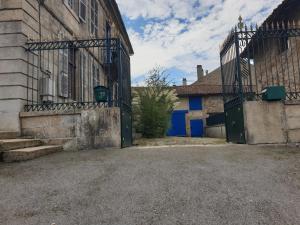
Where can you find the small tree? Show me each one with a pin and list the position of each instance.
(153, 105)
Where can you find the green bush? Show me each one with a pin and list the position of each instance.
(153, 105)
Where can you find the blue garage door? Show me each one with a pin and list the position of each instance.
(178, 125)
(197, 128)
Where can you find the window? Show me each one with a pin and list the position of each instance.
(63, 88)
(82, 76)
(71, 3)
(82, 9)
(108, 57)
(96, 75)
(94, 17)
(71, 74)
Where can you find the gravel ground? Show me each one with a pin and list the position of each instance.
(168, 186)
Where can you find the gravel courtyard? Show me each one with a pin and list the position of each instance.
(181, 185)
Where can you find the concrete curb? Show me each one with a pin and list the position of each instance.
(178, 146)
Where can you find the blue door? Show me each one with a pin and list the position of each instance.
(195, 103)
(197, 128)
(178, 125)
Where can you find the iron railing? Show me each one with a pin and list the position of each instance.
(64, 72)
(65, 107)
(253, 58)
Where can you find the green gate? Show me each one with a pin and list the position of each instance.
(234, 120)
(125, 97)
(126, 127)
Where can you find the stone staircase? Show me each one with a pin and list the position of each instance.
(16, 149)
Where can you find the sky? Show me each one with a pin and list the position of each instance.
(178, 35)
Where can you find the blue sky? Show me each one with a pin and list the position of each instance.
(178, 35)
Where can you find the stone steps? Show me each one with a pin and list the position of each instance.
(14, 149)
(11, 144)
(24, 154)
(8, 135)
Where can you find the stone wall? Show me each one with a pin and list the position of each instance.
(272, 122)
(292, 113)
(213, 104)
(86, 129)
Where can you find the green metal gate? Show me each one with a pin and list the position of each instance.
(126, 128)
(234, 70)
(234, 120)
(125, 97)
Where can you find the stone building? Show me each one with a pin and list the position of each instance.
(52, 55)
(197, 102)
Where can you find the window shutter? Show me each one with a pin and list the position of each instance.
(82, 10)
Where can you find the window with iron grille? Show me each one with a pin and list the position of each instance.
(82, 76)
(82, 9)
(63, 84)
(94, 17)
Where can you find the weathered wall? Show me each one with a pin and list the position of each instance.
(182, 104)
(264, 122)
(213, 104)
(292, 112)
(218, 131)
(272, 122)
(85, 129)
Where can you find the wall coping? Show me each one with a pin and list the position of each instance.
(292, 102)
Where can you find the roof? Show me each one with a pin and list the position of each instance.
(116, 12)
(279, 14)
(196, 89)
(213, 78)
(211, 84)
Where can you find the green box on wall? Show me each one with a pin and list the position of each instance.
(274, 93)
(101, 94)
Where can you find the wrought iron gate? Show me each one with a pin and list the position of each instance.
(252, 59)
(233, 89)
(234, 120)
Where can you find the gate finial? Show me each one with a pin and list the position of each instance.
(241, 23)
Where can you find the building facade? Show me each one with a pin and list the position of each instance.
(197, 102)
(53, 53)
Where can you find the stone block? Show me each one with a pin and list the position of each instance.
(264, 122)
(294, 136)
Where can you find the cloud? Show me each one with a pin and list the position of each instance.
(183, 33)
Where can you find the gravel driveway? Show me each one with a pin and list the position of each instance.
(168, 186)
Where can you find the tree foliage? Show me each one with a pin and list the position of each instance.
(153, 105)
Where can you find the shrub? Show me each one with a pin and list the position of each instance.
(153, 105)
